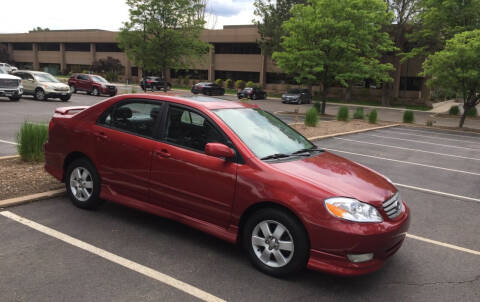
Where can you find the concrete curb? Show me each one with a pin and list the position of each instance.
(9, 157)
(29, 198)
(351, 132)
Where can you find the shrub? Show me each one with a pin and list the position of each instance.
(342, 114)
(311, 118)
(228, 83)
(239, 84)
(219, 82)
(250, 84)
(359, 114)
(408, 116)
(30, 139)
(472, 112)
(372, 117)
(454, 110)
(318, 106)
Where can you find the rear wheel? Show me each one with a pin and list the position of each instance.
(276, 242)
(83, 184)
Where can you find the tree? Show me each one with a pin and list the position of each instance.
(272, 14)
(163, 35)
(457, 68)
(110, 67)
(331, 41)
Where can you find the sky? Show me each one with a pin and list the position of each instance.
(23, 15)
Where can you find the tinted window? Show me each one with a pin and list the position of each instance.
(189, 129)
(135, 117)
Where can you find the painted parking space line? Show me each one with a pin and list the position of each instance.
(437, 192)
(7, 142)
(399, 132)
(447, 245)
(409, 149)
(134, 266)
(405, 162)
(421, 142)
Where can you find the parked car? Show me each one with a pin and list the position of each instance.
(297, 96)
(8, 68)
(10, 85)
(92, 84)
(155, 83)
(43, 85)
(252, 93)
(207, 88)
(231, 170)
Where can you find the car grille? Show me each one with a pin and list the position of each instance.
(8, 83)
(393, 206)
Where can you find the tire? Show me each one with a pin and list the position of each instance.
(40, 95)
(14, 98)
(95, 91)
(66, 97)
(80, 194)
(278, 262)
(73, 89)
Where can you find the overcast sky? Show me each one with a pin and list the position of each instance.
(23, 15)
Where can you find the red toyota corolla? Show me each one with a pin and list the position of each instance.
(233, 171)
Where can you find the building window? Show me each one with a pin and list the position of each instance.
(77, 46)
(78, 68)
(22, 46)
(134, 71)
(280, 78)
(107, 47)
(50, 68)
(24, 65)
(196, 74)
(238, 75)
(237, 48)
(48, 46)
(411, 83)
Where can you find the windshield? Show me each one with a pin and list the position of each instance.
(263, 133)
(99, 79)
(46, 77)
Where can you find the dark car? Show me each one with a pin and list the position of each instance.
(92, 84)
(207, 88)
(155, 83)
(297, 96)
(252, 93)
(234, 171)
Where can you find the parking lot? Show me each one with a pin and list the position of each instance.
(52, 251)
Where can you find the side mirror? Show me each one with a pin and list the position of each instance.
(219, 150)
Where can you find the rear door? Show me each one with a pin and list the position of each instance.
(125, 140)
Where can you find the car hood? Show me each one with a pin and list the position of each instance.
(340, 177)
(291, 95)
(8, 77)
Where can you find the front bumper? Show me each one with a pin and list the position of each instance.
(330, 245)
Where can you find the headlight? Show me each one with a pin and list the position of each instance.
(352, 209)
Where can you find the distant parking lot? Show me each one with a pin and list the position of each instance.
(437, 172)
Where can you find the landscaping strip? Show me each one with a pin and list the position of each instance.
(29, 198)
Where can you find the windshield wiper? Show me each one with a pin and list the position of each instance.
(275, 156)
(308, 150)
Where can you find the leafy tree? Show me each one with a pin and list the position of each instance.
(457, 68)
(331, 41)
(163, 35)
(110, 67)
(272, 14)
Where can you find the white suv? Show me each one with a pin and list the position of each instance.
(10, 86)
(8, 68)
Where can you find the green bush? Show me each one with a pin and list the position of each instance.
(228, 83)
(372, 117)
(472, 112)
(359, 114)
(408, 116)
(311, 118)
(454, 110)
(342, 114)
(30, 139)
(250, 84)
(318, 106)
(239, 84)
(219, 82)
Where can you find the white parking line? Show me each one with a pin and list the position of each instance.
(399, 132)
(448, 245)
(405, 162)
(417, 141)
(7, 142)
(144, 270)
(409, 149)
(438, 192)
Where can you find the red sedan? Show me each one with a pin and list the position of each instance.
(233, 171)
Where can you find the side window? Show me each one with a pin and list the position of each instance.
(135, 117)
(189, 129)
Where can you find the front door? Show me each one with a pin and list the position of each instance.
(185, 179)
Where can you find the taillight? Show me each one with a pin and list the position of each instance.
(50, 125)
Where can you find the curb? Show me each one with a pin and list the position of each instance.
(9, 157)
(350, 132)
(29, 198)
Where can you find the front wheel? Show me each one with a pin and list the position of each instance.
(83, 184)
(276, 242)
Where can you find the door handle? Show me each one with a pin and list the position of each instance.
(161, 153)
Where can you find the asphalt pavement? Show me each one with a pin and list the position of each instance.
(437, 173)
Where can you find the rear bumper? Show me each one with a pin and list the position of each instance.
(329, 254)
